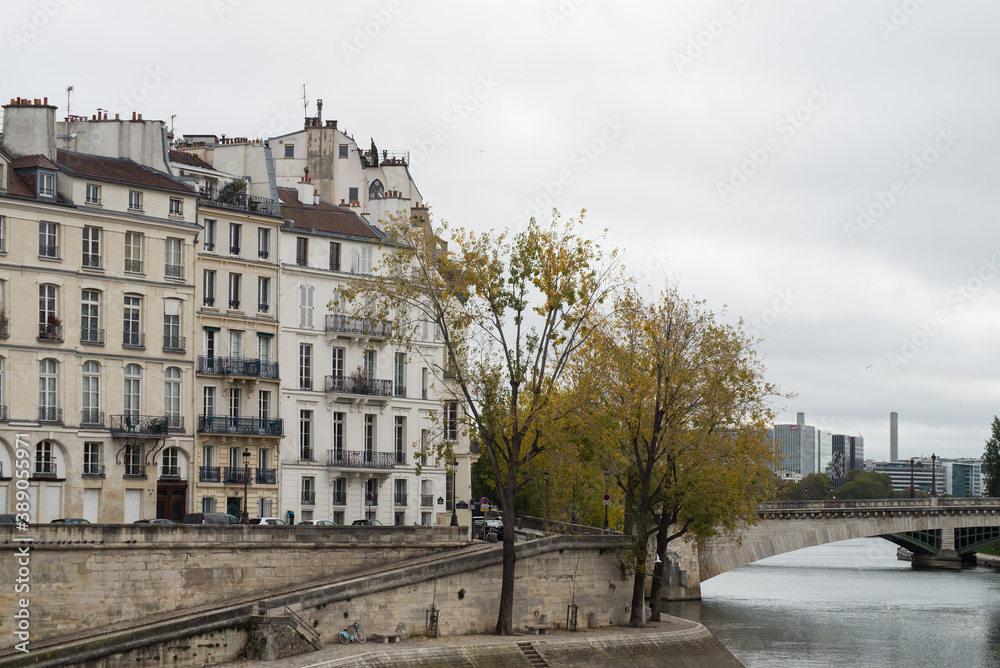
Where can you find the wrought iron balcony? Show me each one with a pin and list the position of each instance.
(173, 271)
(133, 266)
(92, 418)
(209, 474)
(234, 250)
(49, 414)
(92, 260)
(263, 308)
(308, 498)
(4, 329)
(133, 339)
(266, 477)
(48, 250)
(345, 324)
(174, 344)
(135, 470)
(399, 499)
(399, 391)
(50, 333)
(237, 366)
(46, 468)
(356, 459)
(340, 498)
(234, 304)
(237, 474)
(354, 385)
(238, 201)
(3, 413)
(400, 458)
(243, 426)
(93, 470)
(139, 425)
(92, 336)
(175, 422)
(170, 471)
(208, 301)
(426, 500)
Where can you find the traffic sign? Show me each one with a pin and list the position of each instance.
(486, 501)
(368, 496)
(607, 499)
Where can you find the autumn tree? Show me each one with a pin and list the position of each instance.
(684, 407)
(991, 461)
(511, 311)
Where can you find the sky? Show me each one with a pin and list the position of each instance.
(826, 171)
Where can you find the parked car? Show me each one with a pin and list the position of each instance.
(159, 520)
(272, 521)
(8, 519)
(370, 523)
(317, 523)
(71, 520)
(480, 528)
(209, 518)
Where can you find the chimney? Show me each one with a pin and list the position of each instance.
(319, 112)
(30, 128)
(307, 191)
(893, 437)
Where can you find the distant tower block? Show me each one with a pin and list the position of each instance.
(893, 437)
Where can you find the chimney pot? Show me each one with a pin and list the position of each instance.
(133, 115)
(45, 100)
(140, 117)
(37, 102)
(116, 117)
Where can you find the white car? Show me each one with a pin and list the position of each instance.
(272, 521)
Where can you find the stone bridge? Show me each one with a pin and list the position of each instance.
(937, 531)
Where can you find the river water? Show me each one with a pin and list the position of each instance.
(851, 604)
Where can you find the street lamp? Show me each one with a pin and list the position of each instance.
(607, 475)
(933, 476)
(545, 474)
(911, 477)
(246, 483)
(454, 493)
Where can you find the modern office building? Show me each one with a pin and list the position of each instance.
(923, 474)
(796, 445)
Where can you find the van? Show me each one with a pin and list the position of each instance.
(209, 518)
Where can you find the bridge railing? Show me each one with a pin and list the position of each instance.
(872, 504)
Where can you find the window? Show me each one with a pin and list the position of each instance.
(263, 243)
(334, 256)
(342, 151)
(366, 260)
(369, 437)
(235, 343)
(208, 287)
(47, 391)
(339, 492)
(46, 184)
(3, 220)
(352, 195)
(289, 151)
(302, 251)
(132, 322)
(308, 491)
(264, 405)
(399, 494)
(172, 267)
(235, 234)
(170, 467)
(93, 193)
(451, 421)
(92, 459)
(133, 461)
(305, 435)
(235, 402)
(45, 462)
(263, 294)
(399, 375)
(368, 368)
(91, 396)
(133, 252)
(234, 291)
(208, 401)
(48, 240)
(207, 505)
(305, 366)
(90, 317)
(264, 348)
(209, 243)
(49, 324)
(176, 207)
(172, 397)
(376, 190)
(210, 343)
(423, 447)
(134, 200)
(399, 439)
(338, 435)
(338, 362)
(92, 247)
(133, 390)
(264, 507)
(449, 493)
(423, 383)
(306, 306)
(172, 339)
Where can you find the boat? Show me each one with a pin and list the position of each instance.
(903, 554)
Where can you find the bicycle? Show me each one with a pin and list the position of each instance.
(358, 635)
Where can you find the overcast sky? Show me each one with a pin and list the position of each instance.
(825, 170)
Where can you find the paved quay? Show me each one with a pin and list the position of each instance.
(673, 642)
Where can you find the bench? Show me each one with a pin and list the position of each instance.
(538, 629)
(395, 636)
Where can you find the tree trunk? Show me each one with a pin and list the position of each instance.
(659, 568)
(505, 616)
(637, 612)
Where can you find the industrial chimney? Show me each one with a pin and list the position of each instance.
(893, 437)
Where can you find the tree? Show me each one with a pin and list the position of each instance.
(991, 461)
(684, 406)
(816, 487)
(511, 312)
(866, 485)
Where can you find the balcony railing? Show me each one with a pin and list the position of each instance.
(308, 498)
(208, 301)
(50, 333)
(93, 470)
(339, 322)
(46, 468)
(4, 329)
(48, 250)
(92, 418)
(209, 474)
(356, 459)
(399, 499)
(133, 339)
(133, 266)
(173, 271)
(399, 391)
(170, 471)
(266, 476)
(49, 414)
(221, 424)
(174, 344)
(234, 250)
(3, 413)
(92, 336)
(238, 201)
(237, 474)
(400, 458)
(354, 385)
(237, 366)
(92, 260)
(135, 470)
(263, 308)
(340, 498)
(139, 425)
(175, 422)
(426, 500)
(234, 304)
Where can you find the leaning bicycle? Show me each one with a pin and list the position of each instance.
(353, 633)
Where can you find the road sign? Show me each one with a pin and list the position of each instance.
(607, 499)
(486, 501)
(368, 496)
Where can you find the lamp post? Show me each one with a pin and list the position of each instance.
(454, 493)
(933, 476)
(607, 474)
(573, 506)
(246, 483)
(545, 474)
(911, 477)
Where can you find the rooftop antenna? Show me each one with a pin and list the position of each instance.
(305, 102)
(172, 117)
(69, 91)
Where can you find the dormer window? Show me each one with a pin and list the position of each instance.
(376, 190)
(134, 200)
(93, 194)
(3, 176)
(46, 184)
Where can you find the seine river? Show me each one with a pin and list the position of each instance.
(851, 604)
